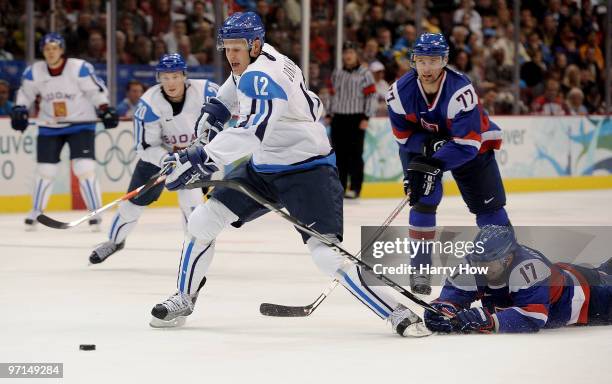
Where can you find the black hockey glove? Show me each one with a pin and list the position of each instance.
(421, 177)
(109, 116)
(432, 145)
(19, 118)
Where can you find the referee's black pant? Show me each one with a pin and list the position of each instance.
(347, 140)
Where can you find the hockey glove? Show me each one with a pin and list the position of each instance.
(213, 117)
(438, 323)
(475, 320)
(109, 116)
(188, 166)
(19, 118)
(432, 145)
(421, 177)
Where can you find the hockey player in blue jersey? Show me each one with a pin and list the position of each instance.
(292, 164)
(440, 126)
(163, 123)
(522, 291)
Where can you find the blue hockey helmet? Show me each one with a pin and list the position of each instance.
(241, 25)
(493, 243)
(171, 62)
(52, 37)
(430, 44)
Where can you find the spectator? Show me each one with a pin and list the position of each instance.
(319, 46)
(353, 103)
(354, 13)
(468, 16)
(96, 51)
(385, 42)
(497, 71)
(172, 38)
(571, 78)
(123, 56)
(197, 17)
(408, 37)
(159, 49)
(4, 55)
(5, 104)
(315, 82)
(185, 50)
(203, 43)
(488, 101)
(162, 17)
(593, 101)
(133, 91)
(575, 99)
(143, 51)
(136, 17)
(382, 87)
(550, 103)
(401, 13)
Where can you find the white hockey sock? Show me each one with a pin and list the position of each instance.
(84, 169)
(124, 221)
(189, 199)
(196, 257)
(45, 174)
(205, 224)
(377, 298)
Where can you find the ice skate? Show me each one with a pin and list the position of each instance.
(420, 284)
(104, 250)
(407, 323)
(173, 312)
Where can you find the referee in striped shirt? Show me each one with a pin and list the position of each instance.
(353, 103)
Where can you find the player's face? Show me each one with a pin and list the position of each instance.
(496, 270)
(237, 54)
(53, 54)
(173, 84)
(429, 68)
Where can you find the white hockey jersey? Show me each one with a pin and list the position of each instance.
(73, 95)
(278, 118)
(157, 131)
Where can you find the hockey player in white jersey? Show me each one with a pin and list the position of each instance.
(292, 164)
(163, 123)
(72, 99)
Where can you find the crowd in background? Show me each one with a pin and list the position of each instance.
(561, 54)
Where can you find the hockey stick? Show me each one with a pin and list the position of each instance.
(136, 193)
(278, 310)
(232, 184)
(61, 122)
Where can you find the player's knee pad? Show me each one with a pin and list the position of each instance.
(496, 217)
(47, 170)
(326, 259)
(84, 168)
(209, 219)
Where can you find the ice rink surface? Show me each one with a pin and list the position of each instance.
(51, 301)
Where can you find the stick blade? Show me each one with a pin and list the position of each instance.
(276, 310)
(52, 223)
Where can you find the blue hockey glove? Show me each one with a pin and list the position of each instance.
(213, 117)
(421, 177)
(109, 116)
(475, 320)
(19, 118)
(438, 323)
(188, 166)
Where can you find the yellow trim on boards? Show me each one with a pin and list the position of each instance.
(62, 202)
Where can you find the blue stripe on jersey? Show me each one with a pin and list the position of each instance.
(364, 296)
(310, 102)
(210, 90)
(27, 74)
(261, 128)
(185, 265)
(303, 165)
(72, 128)
(85, 69)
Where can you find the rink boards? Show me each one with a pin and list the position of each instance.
(538, 154)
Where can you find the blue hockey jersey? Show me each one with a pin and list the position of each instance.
(536, 294)
(454, 114)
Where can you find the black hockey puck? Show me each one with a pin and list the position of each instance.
(87, 347)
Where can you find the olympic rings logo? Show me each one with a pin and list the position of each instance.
(119, 153)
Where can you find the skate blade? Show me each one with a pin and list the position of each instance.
(417, 329)
(174, 323)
